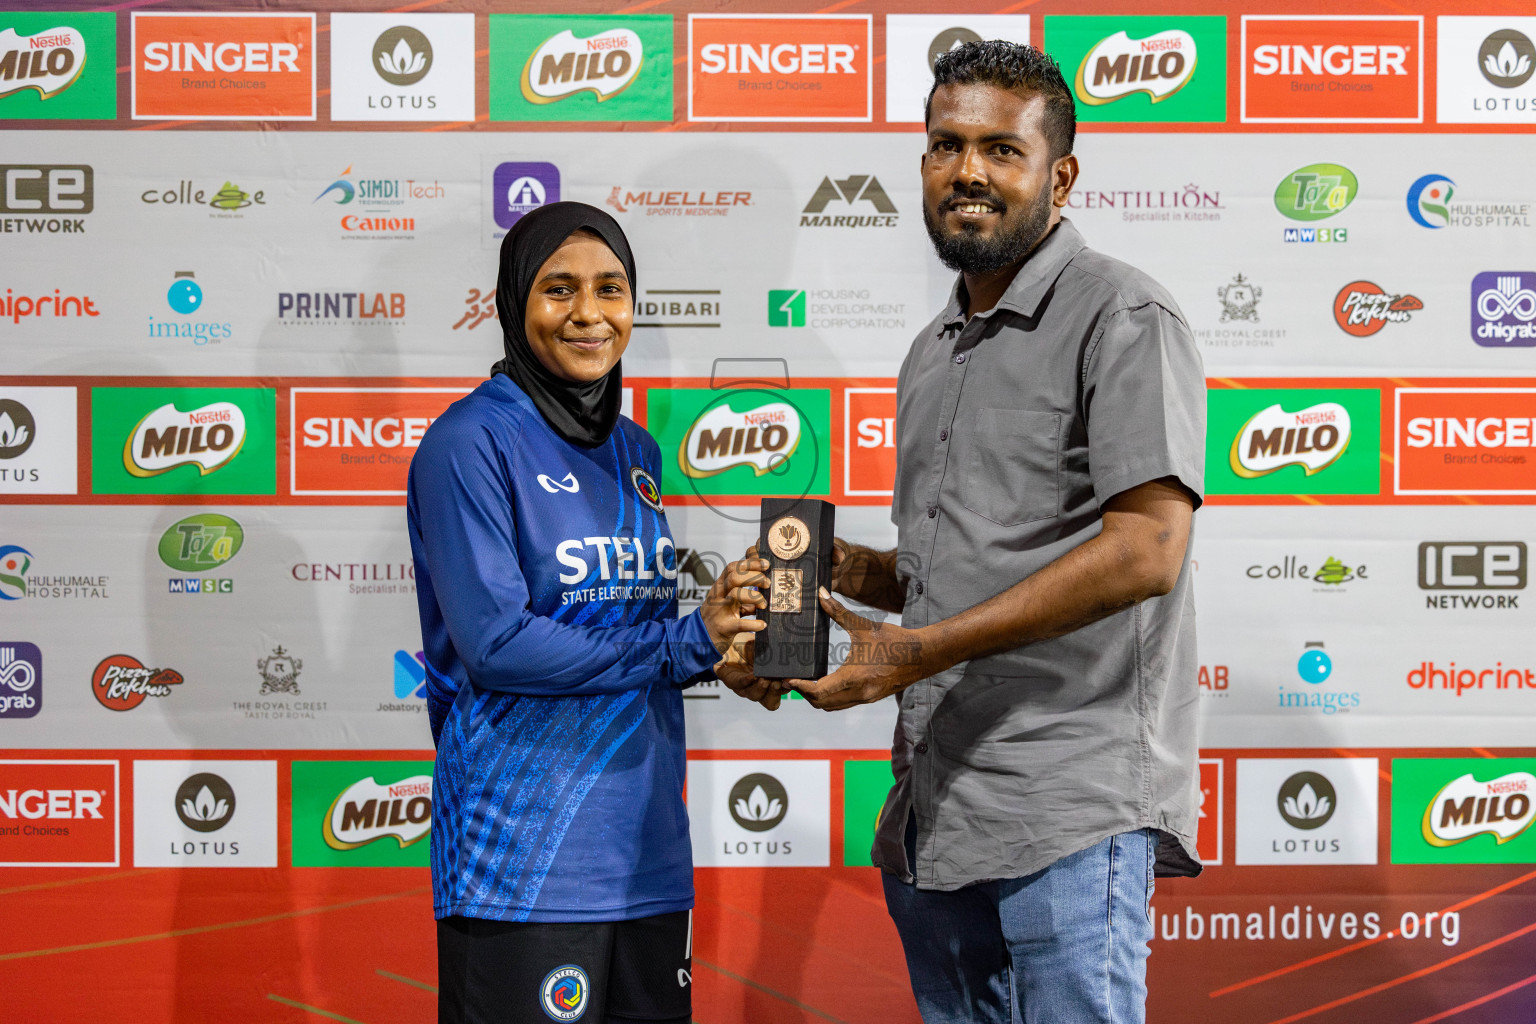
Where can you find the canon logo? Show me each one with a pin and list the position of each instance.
(180, 56)
(51, 803)
(785, 58)
(1291, 59)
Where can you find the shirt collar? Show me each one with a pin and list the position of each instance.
(1033, 279)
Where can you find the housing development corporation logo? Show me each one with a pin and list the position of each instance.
(1361, 308)
(21, 679)
(1471, 810)
(1504, 309)
(1301, 69)
(784, 67)
(122, 682)
(236, 67)
(58, 65)
(1143, 68)
(581, 67)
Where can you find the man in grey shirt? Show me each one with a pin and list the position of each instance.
(1050, 447)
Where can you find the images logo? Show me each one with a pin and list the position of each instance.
(764, 67)
(1504, 308)
(410, 675)
(581, 67)
(1143, 68)
(1471, 810)
(21, 679)
(1507, 58)
(758, 802)
(208, 437)
(185, 296)
(205, 802)
(1272, 439)
(1362, 308)
(1314, 665)
(142, 442)
(563, 993)
(234, 67)
(58, 67)
(1429, 199)
(786, 307)
(859, 188)
(402, 55)
(1329, 445)
(1299, 69)
(1306, 800)
(1316, 192)
(121, 682)
(520, 188)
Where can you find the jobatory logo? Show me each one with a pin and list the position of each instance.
(410, 675)
(122, 682)
(846, 193)
(1332, 68)
(183, 440)
(21, 679)
(50, 199)
(204, 814)
(208, 437)
(1293, 441)
(1361, 308)
(361, 813)
(58, 814)
(1143, 68)
(760, 813)
(402, 67)
(1471, 810)
(913, 42)
(1307, 810)
(1472, 574)
(58, 66)
(1465, 440)
(785, 67)
(1504, 309)
(517, 189)
(359, 441)
(1485, 68)
(228, 67)
(37, 440)
(581, 67)
(564, 992)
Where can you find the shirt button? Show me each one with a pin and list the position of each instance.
(921, 748)
(944, 435)
(933, 510)
(960, 358)
(919, 586)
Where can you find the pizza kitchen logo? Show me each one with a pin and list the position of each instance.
(1313, 438)
(367, 812)
(1362, 308)
(208, 437)
(121, 682)
(722, 438)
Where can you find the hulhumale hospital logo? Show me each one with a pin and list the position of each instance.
(1429, 201)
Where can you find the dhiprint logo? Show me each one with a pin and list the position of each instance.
(1429, 200)
(208, 437)
(1507, 58)
(14, 563)
(758, 802)
(517, 189)
(564, 993)
(18, 428)
(279, 672)
(1362, 308)
(367, 811)
(1504, 309)
(1313, 438)
(21, 679)
(568, 483)
(1307, 800)
(855, 189)
(402, 55)
(205, 802)
(121, 682)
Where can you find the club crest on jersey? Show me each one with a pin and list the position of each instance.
(645, 486)
(563, 995)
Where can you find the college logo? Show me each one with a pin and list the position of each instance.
(1459, 440)
(21, 679)
(858, 188)
(1362, 308)
(1316, 192)
(1332, 574)
(37, 441)
(207, 437)
(581, 67)
(564, 993)
(37, 190)
(1504, 309)
(121, 682)
(1507, 58)
(402, 67)
(787, 67)
(1486, 69)
(58, 814)
(143, 442)
(58, 67)
(1327, 445)
(1471, 810)
(1299, 69)
(232, 67)
(1143, 68)
(1307, 811)
(913, 42)
(359, 441)
(760, 813)
(279, 672)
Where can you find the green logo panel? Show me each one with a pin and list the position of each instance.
(1231, 411)
(581, 67)
(322, 792)
(865, 787)
(246, 463)
(748, 442)
(60, 65)
(1316, 191)
(786, 307)
(1142, 67)
(1466, 810)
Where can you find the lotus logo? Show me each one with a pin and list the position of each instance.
(1465, 808)
(368, 811)
(1307, 800)
(208, 437)
(1159, 65)
(1313, 438)
(402, 55)
(1507, 58)
(758, 802)
(605, 65)
(49, 61)
(17, 428)
(763, 438)
(205, 802)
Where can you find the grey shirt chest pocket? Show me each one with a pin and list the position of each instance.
(1012, 469)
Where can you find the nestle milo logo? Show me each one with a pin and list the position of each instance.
(207, 437)
(201, 542)
(368, 811)
(48, 62)
(742, 443)
(762, 437)
(1159, 65)
(1316, 191)
(1465, 808)
(603, 64)
(1312, 438)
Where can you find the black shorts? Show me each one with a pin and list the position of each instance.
(608, 972)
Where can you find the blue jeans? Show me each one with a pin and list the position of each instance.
(1065, 945)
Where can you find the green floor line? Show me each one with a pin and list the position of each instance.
(311, 1009)
(409, 981)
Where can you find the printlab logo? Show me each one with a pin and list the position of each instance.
(1504, 308)
(121, 682)
(1507, 58)
(21, 679)
(850, 193)
(18, 428)
(14, 563)
(205, 802)
(1239, 300)
(517, 189)
(279, 672)
(1307, 800)
(402, 55)
(758, 802)
(1363, 307)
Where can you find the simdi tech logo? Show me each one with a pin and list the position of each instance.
(746, 442)
(1471, 810)
(1485, 70)
(1465, 441)
(402, 67)
(58, 814)
(780, 67)
(224, 67)
(1293, 441)
(361, 813)
(1143, 68)
(60, 66)
(581, 67)
(183, 440)
(1319, 69)
(914, 41)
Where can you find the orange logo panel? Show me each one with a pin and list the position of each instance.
(237, 67)
(1322, 69)
(359, 441)
(869, 441)
(58, 813)
(763, 68)
(1208, 831)
(1466, 441)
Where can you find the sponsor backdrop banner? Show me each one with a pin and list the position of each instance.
(252, 257)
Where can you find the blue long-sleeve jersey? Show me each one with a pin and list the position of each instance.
(546, 579)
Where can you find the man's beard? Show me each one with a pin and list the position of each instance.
(969, 252)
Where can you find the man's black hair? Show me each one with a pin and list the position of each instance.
(1016, 67)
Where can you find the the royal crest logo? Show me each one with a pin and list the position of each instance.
(1466, 808)
(761, 437)
(207, 437)
(563, 65)
(367, 811)
(48, 62)
(564, 992)
(121, 682)
(1239, 300)
(1363, 307)
(279, 672)
(1313, 438)
(1119, 66)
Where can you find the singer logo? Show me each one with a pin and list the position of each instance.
(230, 67)
(1328, 68)
(1456, 441)
(869, 442)
(58, 814)
(1313, 438)
(359, 441)
(765, 67)
(563, 65)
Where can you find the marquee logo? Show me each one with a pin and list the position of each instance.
(765, 67)
(1501, 807)
(852, 190)
(121, 682)
(1313, 438)
(48, 62)
(761, 437)
(581, 67)
(368, 811)
(1504, 309)
(1119, 66)
(604, 64)
(208, 437)
(1362, 308)
(1329, 68)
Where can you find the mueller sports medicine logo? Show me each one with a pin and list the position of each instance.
(238, 67)
(848, 193)
(1119, 66)
(367, 811)
(47, 199)
(1504, 309)
(1313, 438)
(760, 437)
(47, 62)
(1362, 308)
(1503, 808)
(764, 67)
(207, 437)
(676, 203)
(1462, 573)
(604, 64)
(1301, 69)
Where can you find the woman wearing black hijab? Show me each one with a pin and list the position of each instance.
(562, 873)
